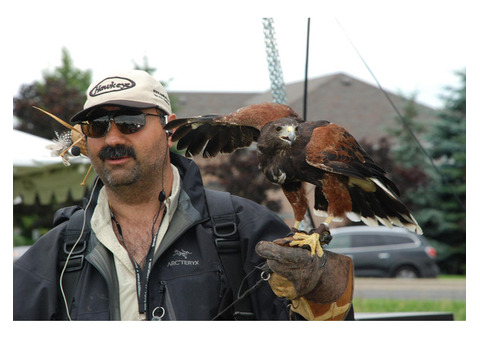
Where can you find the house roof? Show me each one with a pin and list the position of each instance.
(201, 103)
(359, 107)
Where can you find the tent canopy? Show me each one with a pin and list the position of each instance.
(37, 173)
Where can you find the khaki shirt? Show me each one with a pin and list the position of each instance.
(102, 227)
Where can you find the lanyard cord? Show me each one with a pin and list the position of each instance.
(142, 274)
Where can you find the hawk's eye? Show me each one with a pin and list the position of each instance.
(278, 128)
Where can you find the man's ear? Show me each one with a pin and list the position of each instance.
(169, 133)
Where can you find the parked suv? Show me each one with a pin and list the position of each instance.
(385, 252)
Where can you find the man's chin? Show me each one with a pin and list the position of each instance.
(120, 178)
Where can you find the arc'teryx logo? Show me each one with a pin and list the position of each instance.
(185, 262)
(111, 84)
(182, 253)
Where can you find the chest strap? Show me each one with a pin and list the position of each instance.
(71, 269)
(227, 241)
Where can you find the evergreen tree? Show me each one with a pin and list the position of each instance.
(408, 171)
(407, 150)
(443, 214)
(435, 194)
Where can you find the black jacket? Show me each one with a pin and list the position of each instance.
(187, 278)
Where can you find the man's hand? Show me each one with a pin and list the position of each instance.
(295, 271)
(320, 287)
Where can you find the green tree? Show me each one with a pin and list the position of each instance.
(407, 151)
(443, 214)
(408, 171)
(61, 92)
(435, 194)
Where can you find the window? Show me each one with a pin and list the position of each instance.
(367, 240)
(339, 241)
(397, 239)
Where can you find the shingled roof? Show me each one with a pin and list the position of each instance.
(359, 107)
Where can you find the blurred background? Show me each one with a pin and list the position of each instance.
(414, 126)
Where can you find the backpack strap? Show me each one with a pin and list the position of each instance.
(227, 241)
(72, 268)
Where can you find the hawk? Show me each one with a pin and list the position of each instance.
(292, 152)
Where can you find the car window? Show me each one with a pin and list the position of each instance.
(367, 240)
(397, 239)
(340, 241)
(359, 240)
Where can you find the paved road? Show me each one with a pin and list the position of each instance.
(424, 289)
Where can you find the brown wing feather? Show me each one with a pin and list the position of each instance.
(258, 115)
(333, 149)
(225, 133)
(371, 195)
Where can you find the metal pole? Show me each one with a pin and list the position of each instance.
(305, 84)
(305, 95)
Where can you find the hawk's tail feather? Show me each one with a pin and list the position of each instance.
(381, 205)
(371, 207)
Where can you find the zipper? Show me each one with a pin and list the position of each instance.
(166, 305)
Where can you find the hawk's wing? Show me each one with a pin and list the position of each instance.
(225, 133)
(372, 195)
(333, 149)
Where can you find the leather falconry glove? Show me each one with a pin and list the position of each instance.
(320, 288)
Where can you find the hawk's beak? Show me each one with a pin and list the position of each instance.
(288, 134)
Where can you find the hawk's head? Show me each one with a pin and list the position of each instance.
(281, 133)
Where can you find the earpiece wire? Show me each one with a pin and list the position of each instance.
(72, 250)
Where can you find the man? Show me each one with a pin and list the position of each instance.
(148, 246)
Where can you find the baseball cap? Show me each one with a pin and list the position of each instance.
(132, 88)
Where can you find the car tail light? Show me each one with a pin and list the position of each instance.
(431, 252)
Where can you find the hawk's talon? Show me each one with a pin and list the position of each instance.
(325, 238)
(312, 241)
(324, 231)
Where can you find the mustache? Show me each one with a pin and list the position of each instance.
(117, 151)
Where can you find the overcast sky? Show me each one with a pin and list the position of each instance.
(411, 46)
(203, 45)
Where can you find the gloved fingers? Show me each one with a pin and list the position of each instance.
(290, 262)
(283, 253)
(293, 263)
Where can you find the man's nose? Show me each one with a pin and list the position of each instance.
(114, 136)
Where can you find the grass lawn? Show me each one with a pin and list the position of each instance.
(458, 308)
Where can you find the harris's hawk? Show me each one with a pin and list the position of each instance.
(292, 151)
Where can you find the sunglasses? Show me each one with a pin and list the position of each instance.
(127, 121)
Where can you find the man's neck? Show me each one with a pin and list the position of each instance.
(134, 206)
(136, 209)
